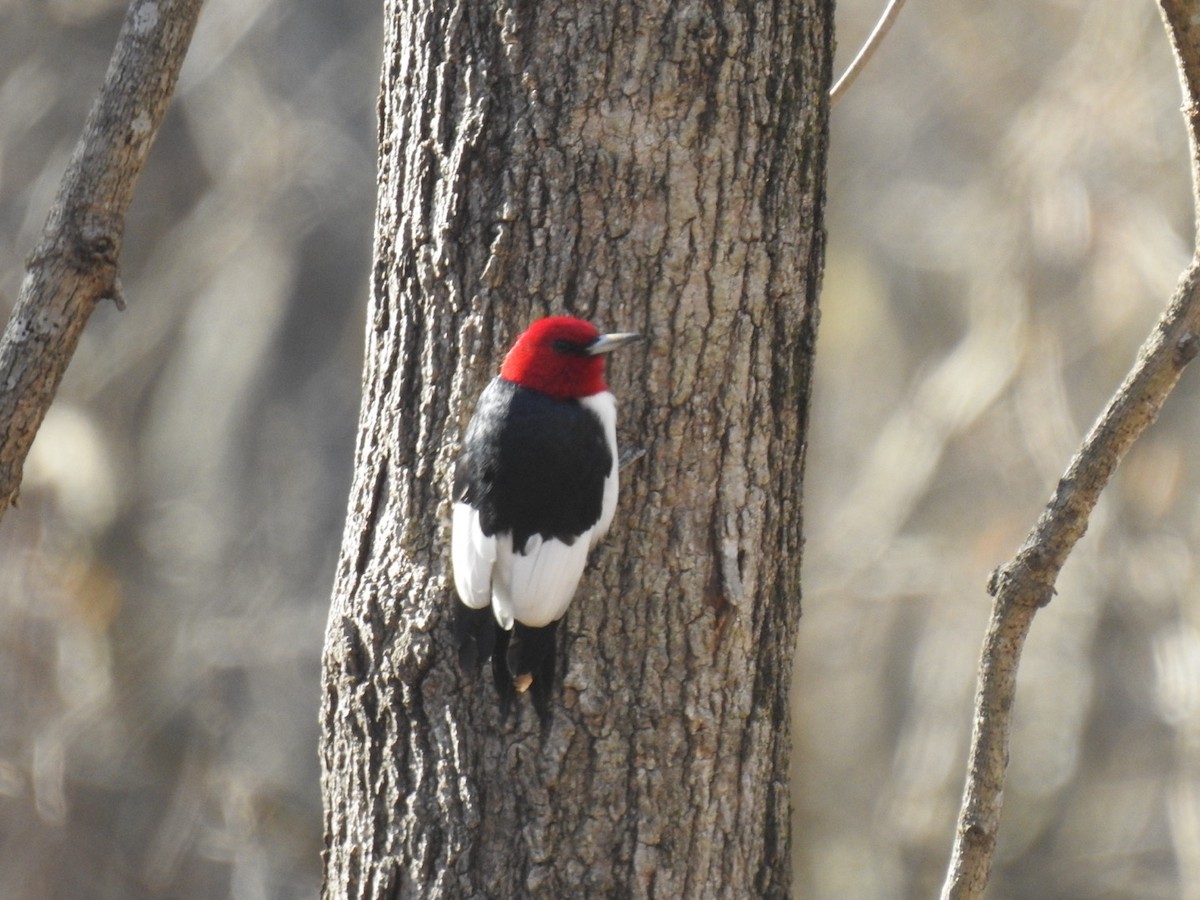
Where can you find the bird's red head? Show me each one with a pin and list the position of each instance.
(562, 357)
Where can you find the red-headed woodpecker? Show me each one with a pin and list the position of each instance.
(534, 490)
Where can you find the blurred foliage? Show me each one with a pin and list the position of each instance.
(1008, 211)
(165, 580)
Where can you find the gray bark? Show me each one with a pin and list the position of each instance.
(656, 167)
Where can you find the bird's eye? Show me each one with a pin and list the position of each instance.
(569, 348)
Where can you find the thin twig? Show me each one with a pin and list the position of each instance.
(868, 49)
(75, 263)
(1026, 583)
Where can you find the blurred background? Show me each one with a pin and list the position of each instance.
(1008, 211)
(165, 581)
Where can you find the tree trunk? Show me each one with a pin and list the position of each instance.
(655, 167)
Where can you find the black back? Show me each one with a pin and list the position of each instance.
(532, 464)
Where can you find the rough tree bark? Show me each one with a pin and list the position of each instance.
(652, 166)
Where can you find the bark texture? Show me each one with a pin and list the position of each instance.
(650, 166)
(75, 264)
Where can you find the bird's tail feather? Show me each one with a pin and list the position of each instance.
(530, 662)
(475, 632)
(522, 659)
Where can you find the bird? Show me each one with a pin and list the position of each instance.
(535, 489)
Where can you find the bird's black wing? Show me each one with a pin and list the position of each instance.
(533, 464)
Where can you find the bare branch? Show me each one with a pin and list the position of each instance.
(866, 52)
(75, 263)
(1026, 583)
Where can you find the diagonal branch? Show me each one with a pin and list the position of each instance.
(75, 263)
(1026, 583)
(882, 27)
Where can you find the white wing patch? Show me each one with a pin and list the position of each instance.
(473, 555)
(535, 587)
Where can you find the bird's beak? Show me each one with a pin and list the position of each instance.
(607, 343)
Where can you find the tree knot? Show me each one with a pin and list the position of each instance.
(1186, 349)
(98, 244)
(1022, 581)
